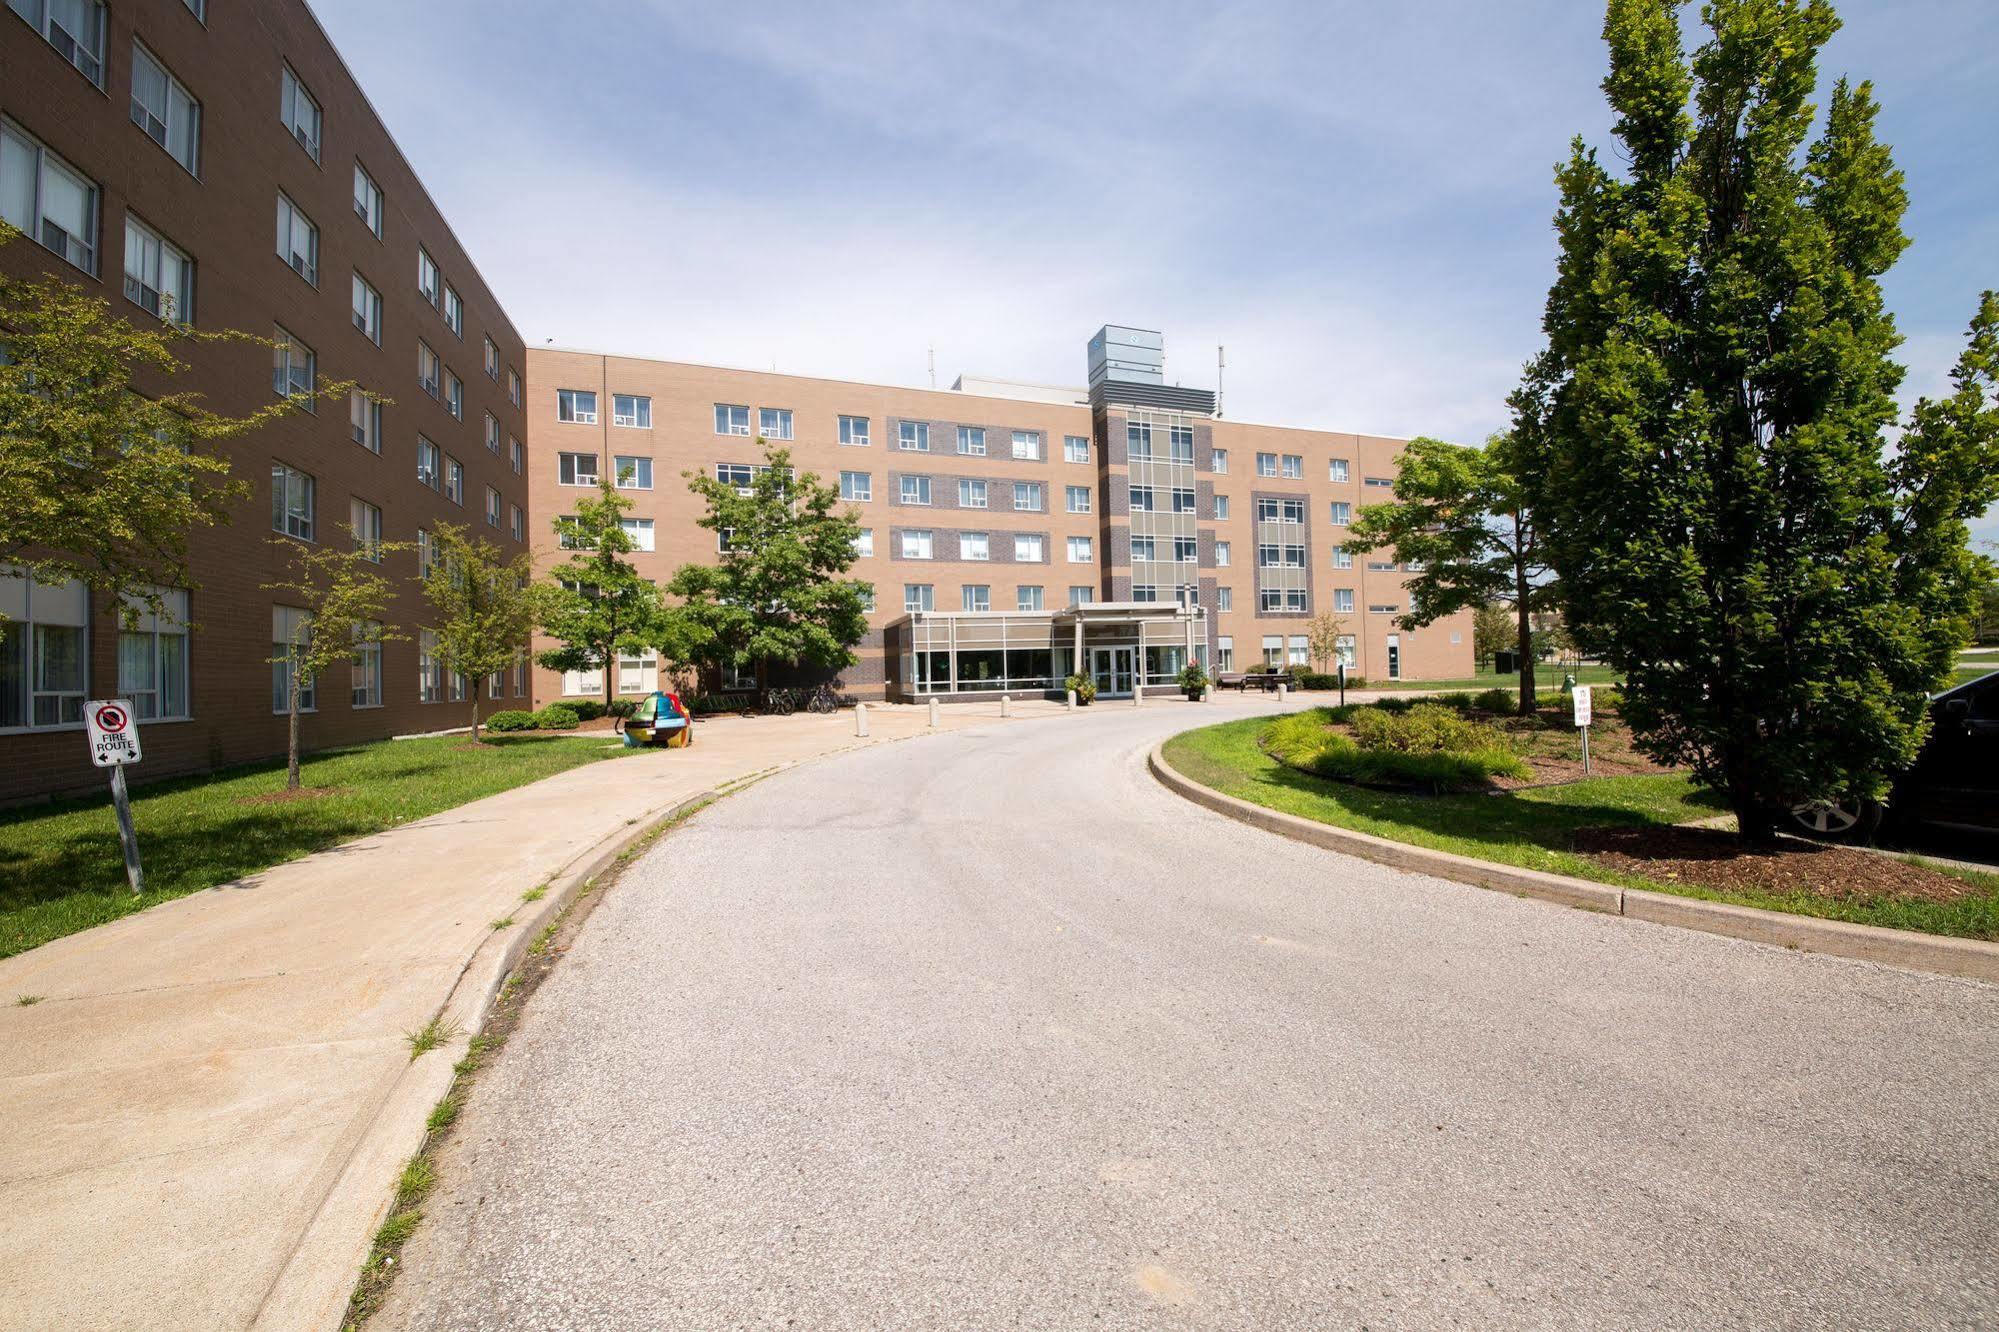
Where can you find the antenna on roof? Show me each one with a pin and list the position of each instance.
(1221, 367)
(933, 363)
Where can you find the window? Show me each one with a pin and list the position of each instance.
(298, 240)
(1384, 608)
(1280, 599)
(1145, 592)
(640, 532)
(1029, 548)
(1381, 566)
(514, 387)
(74, 27)
(430, 672)
(1342, 513)
(1081, 550)
(971, 494)
(47, 198)
(517, 522)
(1299, 651)
(774, 422)
(159, 279)
(291, 630)
(731, 420)
(428, 368)
(1225, 653)
(1221, 508)
(916, 543)
(492, 433)
(1076, 448)
(1294, 467)
(492, 507)
(516, 456)
(1266, 464)
(918, 597)
(1082, 595)
(1138, 439)
(1028, 497)
(1144, 548)
(631, 410)
(293, 369)
(365, 674)
(856, 486)
(429, 462)
(1141, 499)
(368, 200)
(867, 594)
(972, 440)
(429, 282)
(1078, 498)
(1379, 482)
(1343, 600)
(974, 546)
(152, 658)
(1186, 550)
(367, 310)
(298, 110)
(166, 111)
(915, 490)
(1224, 598)
(454, 395)
(913, 436)
(426, 553)
(577, 406)
(976, 597)
(1183, 499)
(854, 431)
(1342, 558)
(864, 543)
(1221, 457)
(1027, 445)
(1336, 469)
(454, 310)
(1344, 647)
(576, 469)
(364, 419)
(632, 472)
(1182, 444)
(1224, 554)
(43, 646)
(1274, 555)
(366, 520)
(740, 475)
(454, 480)
(492, 361)
(1273, 649)
(1280, 511)
(1027, 598)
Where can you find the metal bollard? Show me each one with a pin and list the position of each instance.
(933, 714)
(1006, 705)
(1071, 705)
(860, 719)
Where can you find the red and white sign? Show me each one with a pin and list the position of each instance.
(114, 736)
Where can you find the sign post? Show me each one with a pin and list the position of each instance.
(1343, 682)
(114, 742)
(1580, 695)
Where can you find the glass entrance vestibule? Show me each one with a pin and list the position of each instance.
(1122, 646)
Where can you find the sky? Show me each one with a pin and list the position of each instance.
(1353, 197)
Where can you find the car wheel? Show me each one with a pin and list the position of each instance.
(1846, 819)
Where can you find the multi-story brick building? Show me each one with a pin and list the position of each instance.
(214, 162)
(1010, 531)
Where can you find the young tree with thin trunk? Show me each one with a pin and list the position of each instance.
(345, 599)
(595, 605)
(482, 607)
(1323, 633)
(1467, 517)
(1778, 587)
(1491, 630)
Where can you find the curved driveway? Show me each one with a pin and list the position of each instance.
(989, 1030)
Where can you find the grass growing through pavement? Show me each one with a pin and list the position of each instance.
(1533, 828)
(60, 869)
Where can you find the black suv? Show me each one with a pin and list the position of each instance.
(1954, 782)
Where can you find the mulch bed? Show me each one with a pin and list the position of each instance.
(1715, 858)
(286, 797)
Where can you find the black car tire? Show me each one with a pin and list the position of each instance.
(1850, 821)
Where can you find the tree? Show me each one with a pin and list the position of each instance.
(344, 597)
(776, 594)
(1323, 633)
(1778, 588)
(482, 607)
(1491, 630)
(1468, 519)
(597, 607)
(71, 406)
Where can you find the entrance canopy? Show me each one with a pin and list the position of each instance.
(1123, 645)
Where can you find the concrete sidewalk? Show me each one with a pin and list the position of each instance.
(205, 1113)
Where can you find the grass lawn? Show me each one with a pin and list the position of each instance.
(1546, 677)
(60, 868)
(1533, 828)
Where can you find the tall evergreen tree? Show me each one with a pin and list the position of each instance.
(1708, 423)
(596, 606)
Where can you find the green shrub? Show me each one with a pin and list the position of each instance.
(557, 717)
(1083, 686)
(1421, 745)
(586, 709)
(1193, 677)
(1496, 700)
(1316, 680)
(511, 720)
(624, 707)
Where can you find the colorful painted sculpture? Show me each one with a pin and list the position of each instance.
(660, 719)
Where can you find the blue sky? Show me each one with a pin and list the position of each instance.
(1354, 197)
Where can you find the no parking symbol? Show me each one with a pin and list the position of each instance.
(114, 740)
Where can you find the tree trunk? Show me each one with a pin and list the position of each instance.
(476, 682)
(291, 710)
(610, 674)
(1755, 821)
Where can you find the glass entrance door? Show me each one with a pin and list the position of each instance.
(1111, 669)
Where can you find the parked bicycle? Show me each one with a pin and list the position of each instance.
(780, 703)
(823, 700)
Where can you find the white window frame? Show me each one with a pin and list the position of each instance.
(367, 309)
(179, 120)
(429, 370)
(576, 406)
(1337, 471)
(1029, 548)
(919, 597)
(854, 431)
(299, 112)
(454, 310)
(429, 281)
(78, 251)
(916, 543)
(864, 543)
(1077, 498)
(1076, 448)
(429, 463)
(41, 616)
(972, 441)
(727, 422)
(167, 639)
(633, 411)
(1224, 554)
(1030, 446)
(364, 420)
(641, 470)
(1033, 490)
(293, 501)
(975, 547)
(914, 490)
(972, 493)
(292, 221)
(1086, 545)
(365, 521)
(155, 256)
(857, 487)
(368, 200)
(774, 422)
(975, 597)
(285, 620)
(912, 436)
(286, 366)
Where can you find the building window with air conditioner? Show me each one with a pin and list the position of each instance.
(166, 111)
(299, 111)
(367, 309)
(298, 240)
(159, 279)
(47, 198)
(364, 417)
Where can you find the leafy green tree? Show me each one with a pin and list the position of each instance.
(84, 394)
(345, 598)
(1323, 633)
(777, 593)
(482, 607)
(1472, 523)
(596, 606)
(1778, 588)
(1492, 629)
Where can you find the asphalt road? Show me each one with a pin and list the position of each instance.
(989, 1030)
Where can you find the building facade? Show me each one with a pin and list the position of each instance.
(991, 512)
(213, 162)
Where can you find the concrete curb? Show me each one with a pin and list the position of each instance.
(1974, 959)
(318, 1277)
